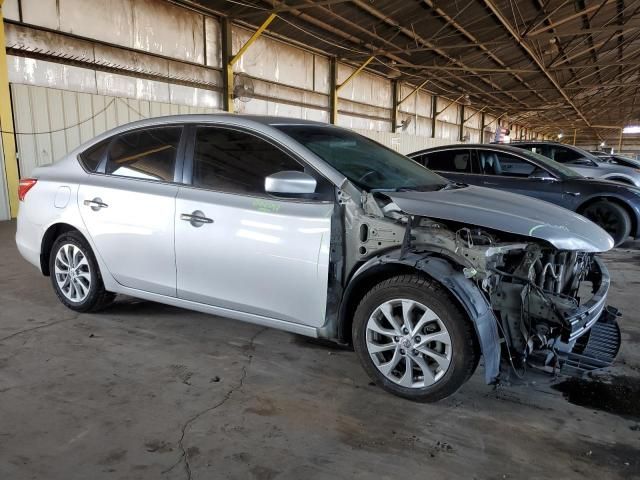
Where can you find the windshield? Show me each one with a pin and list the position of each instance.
(554, 166)
(366, 163)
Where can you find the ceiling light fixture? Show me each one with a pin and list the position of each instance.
(631, 129)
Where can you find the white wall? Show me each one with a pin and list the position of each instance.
(74, 118)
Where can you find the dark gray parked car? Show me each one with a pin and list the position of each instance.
(583, 162)
(612, 205)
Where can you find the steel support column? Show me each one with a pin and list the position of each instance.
(228, 59)
(461, 127)
(434, 114)
(395, 86)
(333, 90)
(227, 74)
(482, 121)
(6, 125)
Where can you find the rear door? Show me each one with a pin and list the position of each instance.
(129, 208)
(247, 250)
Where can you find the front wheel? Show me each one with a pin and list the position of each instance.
(413, 340)
(612, 218)
(75, 275)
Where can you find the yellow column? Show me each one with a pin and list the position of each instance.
(6, 125)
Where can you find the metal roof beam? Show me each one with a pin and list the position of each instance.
(507, 25)
(415, 37)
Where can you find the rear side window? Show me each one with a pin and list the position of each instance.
(449, 161)
(92, 157)
(236, 162)
(149, 154)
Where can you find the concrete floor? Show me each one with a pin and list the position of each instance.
(148, 391)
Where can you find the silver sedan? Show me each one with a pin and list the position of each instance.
(319, 231)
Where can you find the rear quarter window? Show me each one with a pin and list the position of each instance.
(91, 158)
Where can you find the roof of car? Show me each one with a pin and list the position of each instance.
(201, 117)
(496, 146)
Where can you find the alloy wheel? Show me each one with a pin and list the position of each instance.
(408, 343)
(72, 273)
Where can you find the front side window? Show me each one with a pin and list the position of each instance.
(149, 154)
(457, 161)
(505, 164)
(236, 162)
(366, 164)
(570, 156)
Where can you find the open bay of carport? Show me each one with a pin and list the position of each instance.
(143, 390)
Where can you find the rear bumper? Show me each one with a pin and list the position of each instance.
(28, 238)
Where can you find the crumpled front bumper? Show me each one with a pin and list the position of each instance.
(594, 339)
(596, 349)
(590, 311)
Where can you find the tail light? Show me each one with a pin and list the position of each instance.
(24, 186)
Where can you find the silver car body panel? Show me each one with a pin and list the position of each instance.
(266, 257)
(507, 212)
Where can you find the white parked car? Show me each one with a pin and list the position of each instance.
(317, 230)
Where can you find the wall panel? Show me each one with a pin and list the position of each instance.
(51, 122)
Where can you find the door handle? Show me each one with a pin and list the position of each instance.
(195, 218)
(95, 204)
(573, 194)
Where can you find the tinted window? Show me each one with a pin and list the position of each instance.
(365, 163)
(500, 163)
(236, 162)
(564, 155)
(92, 157)
(149, 154)
(448, 161)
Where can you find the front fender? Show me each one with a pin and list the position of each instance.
(463, 289)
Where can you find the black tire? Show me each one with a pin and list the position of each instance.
(464, 352)
(612, 218)
(97, 297)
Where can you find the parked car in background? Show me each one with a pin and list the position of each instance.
(599, 153)
(314, 229)
(612, 205)
(582, 161)
(621, 160)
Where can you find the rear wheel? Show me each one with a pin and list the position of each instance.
(413, 340)
(612, 218)
(75, 275)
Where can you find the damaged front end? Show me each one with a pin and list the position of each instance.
(533, 304)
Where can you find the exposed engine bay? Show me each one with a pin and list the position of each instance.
(545, 301)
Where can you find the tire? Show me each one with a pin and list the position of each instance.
(83, 289)
(441, 339)
(612, 218)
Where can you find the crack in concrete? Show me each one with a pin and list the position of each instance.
(184, 457)
(38, 327)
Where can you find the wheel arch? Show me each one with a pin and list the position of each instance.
(620, 202)
(442, 271)
(49, 237)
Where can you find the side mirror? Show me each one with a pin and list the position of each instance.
(290, 182)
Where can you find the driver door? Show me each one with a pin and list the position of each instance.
(512, 173)
(242, 249)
